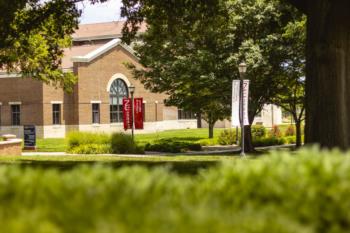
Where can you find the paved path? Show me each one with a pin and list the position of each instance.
(209, 150)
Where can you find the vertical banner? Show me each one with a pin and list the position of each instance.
(235, 103)
(127, 114)
(138, 113)
(245, 101)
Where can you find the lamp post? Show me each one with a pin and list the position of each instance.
(242, 70)
(132, 90)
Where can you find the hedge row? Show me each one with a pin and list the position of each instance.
(305, 193)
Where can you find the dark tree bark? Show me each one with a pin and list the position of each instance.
(248, 140)
(328, 74)
(199, 120)
(298, 133)
(211, 129)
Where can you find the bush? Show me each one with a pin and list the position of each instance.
(290, 131)
(307, 192)
(172, 146)
(77, 139)
(258, 131)
(275, 132)
(208, 142)
(269, 141)
(124, 144)
(91, 149)
(290, 140)
(227, 137)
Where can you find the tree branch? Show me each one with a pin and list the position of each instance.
(300, 4)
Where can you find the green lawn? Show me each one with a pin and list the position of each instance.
(191, 135)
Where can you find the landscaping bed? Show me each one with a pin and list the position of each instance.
(306, 192)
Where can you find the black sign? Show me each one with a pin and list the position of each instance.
(29, 136)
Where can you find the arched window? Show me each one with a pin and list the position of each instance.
(117, 92)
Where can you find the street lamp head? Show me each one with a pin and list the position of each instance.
(242, 68)
(132, 89)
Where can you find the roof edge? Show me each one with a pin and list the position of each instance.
(103, 49)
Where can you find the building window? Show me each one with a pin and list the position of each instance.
(16, 114)
(118, 91)
(96, 113)
(56, 114)
(185, 115)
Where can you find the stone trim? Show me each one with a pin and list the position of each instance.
(57, 102)
(103, 49)
(118, 76)
(95, 102)
(15, 103)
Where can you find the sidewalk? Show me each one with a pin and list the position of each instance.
(208, 150)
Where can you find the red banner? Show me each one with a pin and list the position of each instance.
(127, 114)
(138, 113)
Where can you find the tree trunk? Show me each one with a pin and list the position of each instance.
(211, 129)
(298, 133)
(248, 139)
(328, 74)
(199, 120)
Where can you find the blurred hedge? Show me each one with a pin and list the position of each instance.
(304, 193)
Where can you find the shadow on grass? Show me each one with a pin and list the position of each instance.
(179, 167)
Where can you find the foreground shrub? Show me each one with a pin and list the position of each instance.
(227, 137)
(124, 144)
(304, 193)
(172, 146)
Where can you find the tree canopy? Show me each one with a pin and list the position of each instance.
(33, 34)
(192, 51)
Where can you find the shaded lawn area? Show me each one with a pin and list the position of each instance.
(190, 165)
(186, 135)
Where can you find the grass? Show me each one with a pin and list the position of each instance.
(51, 145)
(189, 135)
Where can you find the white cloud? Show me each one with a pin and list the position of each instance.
(100, 12)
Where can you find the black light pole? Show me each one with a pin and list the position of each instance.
(242, 70)
(132, 90)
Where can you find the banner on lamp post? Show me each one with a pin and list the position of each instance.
(245, 101)
(138, 113)
(127, 113)
(235, 103)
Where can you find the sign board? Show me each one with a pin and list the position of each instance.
(245, 101)
(127, 114)
(235, 103)
(29, 136)
(138, 113)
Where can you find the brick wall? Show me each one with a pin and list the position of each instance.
(93, 81)
(29, 93)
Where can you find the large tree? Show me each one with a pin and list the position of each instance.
(33, 35)
(327, 72)
(240, 30)
(189, 59)
(291, 91)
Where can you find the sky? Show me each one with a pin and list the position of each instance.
(102, 12)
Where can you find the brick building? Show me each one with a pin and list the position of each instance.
(97, 57)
